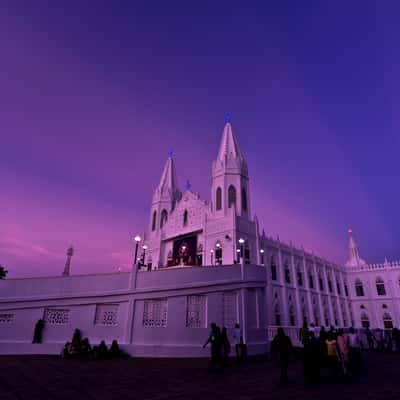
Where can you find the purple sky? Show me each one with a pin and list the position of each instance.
(93, 97)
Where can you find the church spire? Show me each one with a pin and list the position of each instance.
(167, 189)
(229, 146)
(354, 255)
(168, 181)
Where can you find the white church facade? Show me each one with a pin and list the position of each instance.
(201, 262)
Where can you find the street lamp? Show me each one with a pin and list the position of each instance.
(144, 247)
(212, 253)
(262, 256)
(137, 239)
(238, 255)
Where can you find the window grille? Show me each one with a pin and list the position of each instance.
(155, 313)
(56, 316)
(106, 314)
(196, 311)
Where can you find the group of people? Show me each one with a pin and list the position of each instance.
(334, 350)
(221, 346)
(81, 348)
(386, 340)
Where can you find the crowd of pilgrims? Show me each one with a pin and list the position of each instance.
(82, 349)
(334, 350)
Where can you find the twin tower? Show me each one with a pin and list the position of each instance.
(175, 215)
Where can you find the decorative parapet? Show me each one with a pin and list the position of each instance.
(291, 248)
(372, 267)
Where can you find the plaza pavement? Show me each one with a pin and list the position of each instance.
(49, 377)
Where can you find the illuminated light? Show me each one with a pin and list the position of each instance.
(350, 231)
(138, 238)
(262, 251)
(241, 240)
(211, 251)
(144, 247)
(218, 245)
(237, 250)
(183, 247)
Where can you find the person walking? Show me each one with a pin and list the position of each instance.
(303, 333)
(312, 359)
(378, 339)
(332, 354)
(281, 350)
(354, 352)
(237, 333)
(343, 350)
(396, 338)
(225, 346)
(370, 338)
(214, 340)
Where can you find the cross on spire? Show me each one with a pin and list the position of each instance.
(188, 185)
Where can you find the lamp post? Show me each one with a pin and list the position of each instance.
(218, 254)
(211, 254)
(144, 247)
(183, 253)
(137, 240)
(238, 255)
(262, 256)
(241, 241)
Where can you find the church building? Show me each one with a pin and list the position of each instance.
(200, 262)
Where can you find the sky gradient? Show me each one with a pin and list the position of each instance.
(94, 94)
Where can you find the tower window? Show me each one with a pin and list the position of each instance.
(185, 218)
(218, 199)
(154, 221)
(231, 196)
(244, 200)
(164, 217)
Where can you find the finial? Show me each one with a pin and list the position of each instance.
(170, 153)
(228, 118)
(188, 185)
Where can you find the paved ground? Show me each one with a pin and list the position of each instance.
(46, 377)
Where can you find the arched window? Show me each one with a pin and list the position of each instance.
(231, 196)
(364, 320)
(244, 200)
(359, 288)
(310, 281)
(164, 217)
(292, 316)
(346, 290)
(185, 218)
(287, 273)
(218, 199)
(321, 283)
(387, 321)
(154, 221)
(380, 287)
(330, 285)
(273, 268)
(277, 316)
